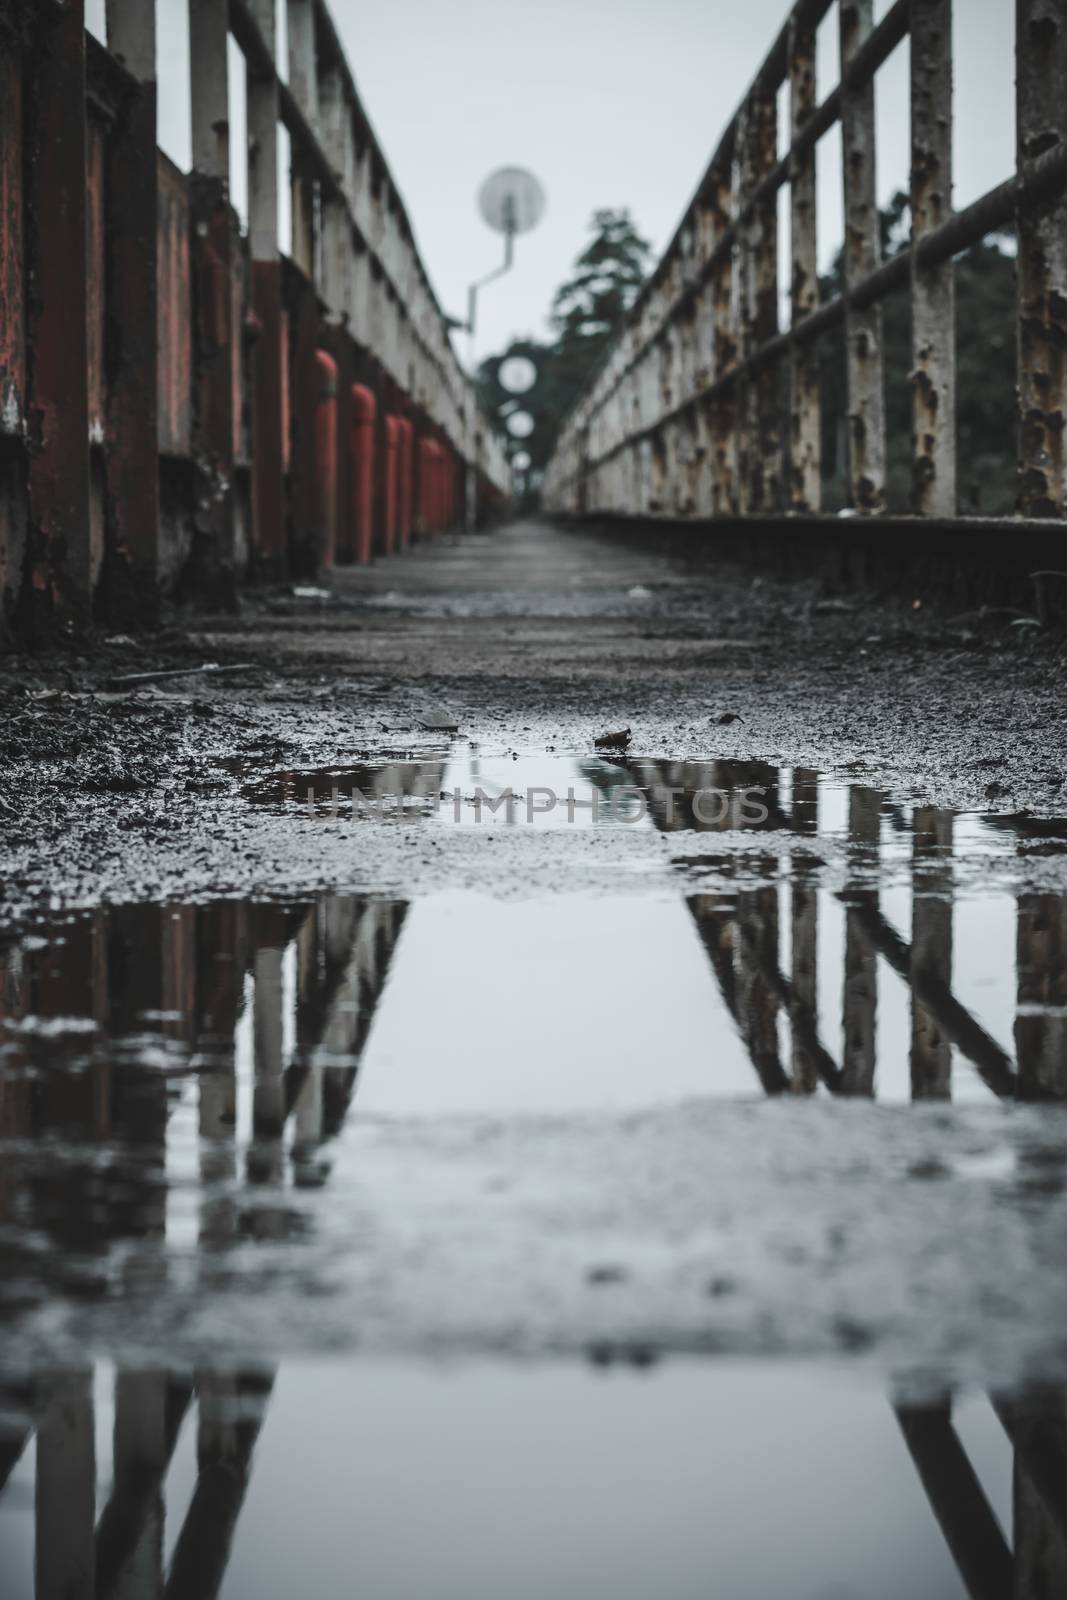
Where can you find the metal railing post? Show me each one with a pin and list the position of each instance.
(933, 288)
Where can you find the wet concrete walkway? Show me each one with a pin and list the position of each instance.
(406, 1082)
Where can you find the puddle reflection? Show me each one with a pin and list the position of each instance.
(175, 1078)
(477, 1481)
(172, 1072)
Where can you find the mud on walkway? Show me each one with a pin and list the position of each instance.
(532, 637)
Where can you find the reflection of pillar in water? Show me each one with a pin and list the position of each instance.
(230, 1417)
(714, 918)
(69, 977)
(861, 961)
(931, 949)
(1041, 1011)
(338, 928)
(268, 1099)
(140, 1457)
(804, 934)
(149, 1407)
(138, 1094)
(220, 949)
(179, 972)
(1039, 1501)
(957, 1499)
(65, 1498)
(757, 1003)
(265, 1160)
(15, 1087)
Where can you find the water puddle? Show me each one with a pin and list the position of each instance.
(474, 1482)
(765, 1113)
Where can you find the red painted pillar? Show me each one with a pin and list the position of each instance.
(405, 481)
(132, 456)
(392, 468)
(12, 333)
(426, 484)
(303, 387)
(326, 459)
(56, 243)
(451, 475)
(442, 488)
(364, 416)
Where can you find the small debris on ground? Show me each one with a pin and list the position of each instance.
(132, 680)
(436, 720)
(616, 740)
(727, 717)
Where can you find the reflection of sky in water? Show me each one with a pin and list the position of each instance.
(568, 1002)
(466, 1482)
(550, 1003)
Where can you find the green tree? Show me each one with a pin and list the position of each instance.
(587, 312)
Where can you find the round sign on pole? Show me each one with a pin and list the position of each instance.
(516, 374)
(521, 460)
(511, 200)
(520, 424)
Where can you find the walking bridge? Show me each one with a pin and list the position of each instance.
(184, 408)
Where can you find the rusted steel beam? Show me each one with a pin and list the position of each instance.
(268, 446)
(337, 244)
(1041, 113)
(324, 168)
(871, 55)
(213, 557)
(303, 69)
(1037, 180)
(879, 45)
(759, 450)
(804, 439)
(304, 90)
(723, 416)
(132, 454)
(933, 288)
(57, 325)
(863, 327)
(208, 31)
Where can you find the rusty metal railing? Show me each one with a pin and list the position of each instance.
(180, 405)
(688, 417)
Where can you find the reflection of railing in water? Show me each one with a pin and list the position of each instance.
(188, 974)
(184, 971)
(120, 1551)
(740, 932)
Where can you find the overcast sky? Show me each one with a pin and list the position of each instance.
(610, 102)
